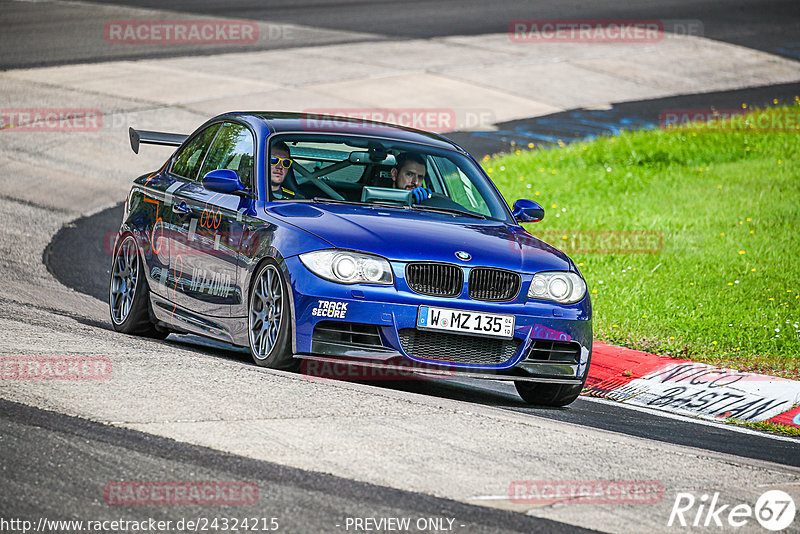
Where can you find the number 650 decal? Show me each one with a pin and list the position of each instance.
(211, 217)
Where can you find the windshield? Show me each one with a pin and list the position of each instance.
(382, 172)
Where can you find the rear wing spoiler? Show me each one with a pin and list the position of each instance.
(154, 138)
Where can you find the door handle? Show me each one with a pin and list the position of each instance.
(181, 209)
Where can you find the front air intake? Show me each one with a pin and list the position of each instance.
(435, 279)
(495, 285)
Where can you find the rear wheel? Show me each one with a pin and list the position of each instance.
(128, 293)
(269, 319)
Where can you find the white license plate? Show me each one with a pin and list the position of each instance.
(465, 322)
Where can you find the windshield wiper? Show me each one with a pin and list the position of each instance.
(450, 211)
(376, 204)
(337, 201)
(434, 209)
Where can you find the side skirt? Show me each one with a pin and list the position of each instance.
(178, 319)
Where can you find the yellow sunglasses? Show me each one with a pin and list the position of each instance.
(275, 160)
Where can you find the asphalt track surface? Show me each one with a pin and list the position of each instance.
(71, 34)
(579, 124)
(90, 454)
(78, 257)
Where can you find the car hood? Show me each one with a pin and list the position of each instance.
(412, 235)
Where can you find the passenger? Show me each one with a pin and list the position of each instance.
(409, 173)
(281, 162)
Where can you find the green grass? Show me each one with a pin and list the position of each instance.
(725, 287)
(768, 427)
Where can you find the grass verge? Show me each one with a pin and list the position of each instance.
(720, 209)
(765, 426)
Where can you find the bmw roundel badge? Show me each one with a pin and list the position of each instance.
(461, 255)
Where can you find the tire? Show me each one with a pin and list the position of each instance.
(269, 318)
(129, 294)
(548, 394)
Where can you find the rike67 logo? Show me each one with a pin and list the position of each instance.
(774, 510)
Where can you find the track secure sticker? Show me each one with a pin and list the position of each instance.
(329, 308)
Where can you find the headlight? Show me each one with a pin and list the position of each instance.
(560, 286)
(348, 267)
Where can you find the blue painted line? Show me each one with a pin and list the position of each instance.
(578, 126)
(791, 52)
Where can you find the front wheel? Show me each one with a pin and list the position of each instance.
(269, 319)
(548, 394)
(128, 293)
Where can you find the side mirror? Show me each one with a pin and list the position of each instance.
(224, 181)
(527, 211)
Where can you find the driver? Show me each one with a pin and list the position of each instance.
(409, 173)
(280, 163)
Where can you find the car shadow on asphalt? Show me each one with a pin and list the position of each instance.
(486, 393)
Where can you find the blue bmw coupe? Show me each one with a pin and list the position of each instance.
(312, 238)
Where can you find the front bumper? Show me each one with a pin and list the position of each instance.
(392, 310)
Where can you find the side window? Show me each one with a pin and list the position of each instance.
(191, 157)
(232, 149)
(461, 188)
